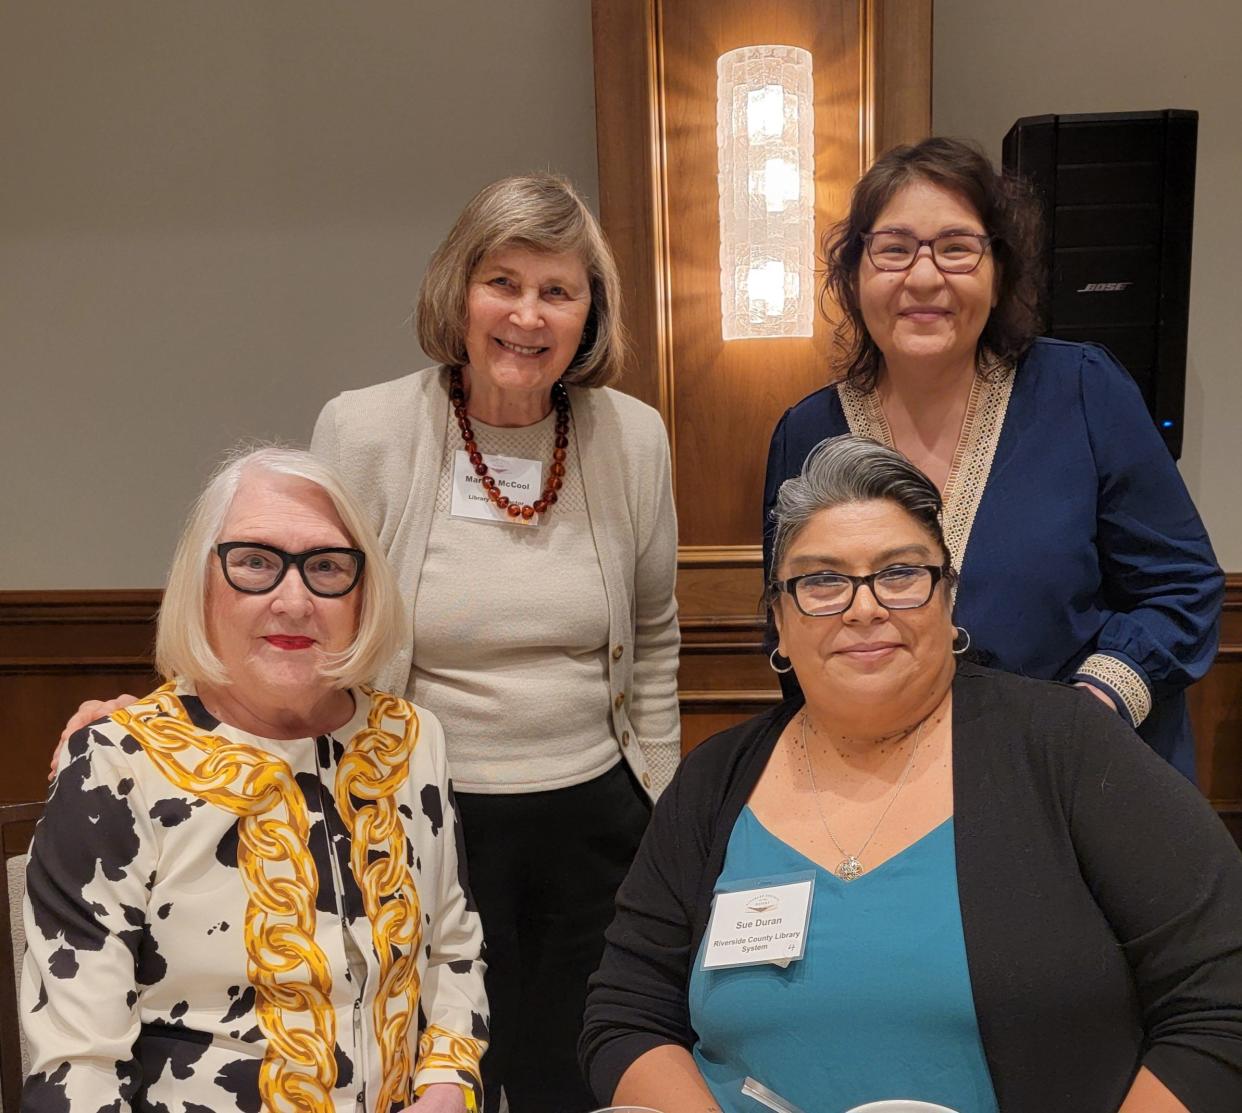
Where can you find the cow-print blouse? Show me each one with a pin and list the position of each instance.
(195, 896)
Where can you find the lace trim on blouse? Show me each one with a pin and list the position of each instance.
(1119, 678)
(972, 459)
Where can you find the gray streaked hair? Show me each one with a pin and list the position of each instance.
(849, 469)
(182, 647)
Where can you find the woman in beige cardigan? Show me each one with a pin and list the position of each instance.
(549, 649)
(539, 606)
(527, 511)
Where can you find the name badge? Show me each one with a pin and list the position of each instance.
(759, 923)
(521, 480)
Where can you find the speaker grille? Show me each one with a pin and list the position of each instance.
(1118, 190)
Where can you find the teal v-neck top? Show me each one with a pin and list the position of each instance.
(880, 1005)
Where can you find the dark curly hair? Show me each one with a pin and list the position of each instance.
(1012, 215)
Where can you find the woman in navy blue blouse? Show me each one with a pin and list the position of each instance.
(1081, 555)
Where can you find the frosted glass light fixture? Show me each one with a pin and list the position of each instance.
(765, 132)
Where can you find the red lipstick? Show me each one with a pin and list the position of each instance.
(288, 641)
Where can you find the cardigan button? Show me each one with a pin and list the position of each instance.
(618, 700)
(646, 780)
(625, 738)
(617, 652)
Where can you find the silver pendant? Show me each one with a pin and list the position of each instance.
(849, 868)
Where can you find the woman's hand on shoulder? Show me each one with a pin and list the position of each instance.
(1099, 694)
(87, 712)
(440, 1097)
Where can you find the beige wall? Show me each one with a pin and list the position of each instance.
(997, 60)
(214, 216)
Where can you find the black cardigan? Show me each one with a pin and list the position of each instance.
(1101, 904)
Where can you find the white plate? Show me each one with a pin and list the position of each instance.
(900, 1105)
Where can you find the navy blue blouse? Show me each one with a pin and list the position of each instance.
(1082, 555)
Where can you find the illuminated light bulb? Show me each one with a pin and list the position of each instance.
(765, 288)
(780, 184)
(765, 113)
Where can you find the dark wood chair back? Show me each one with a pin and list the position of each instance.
(17, 823)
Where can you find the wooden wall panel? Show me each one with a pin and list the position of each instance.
(1216, 711)
(655, 66)
(627, 121)
(901, 63)
(728, 396)
(724, 677)
(56, 650)
(59, 648)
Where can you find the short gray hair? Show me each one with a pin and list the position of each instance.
(849, 469)
(182, 648)
(541, 212)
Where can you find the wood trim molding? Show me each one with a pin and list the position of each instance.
(900, 82)
(725, 648)
(867, 83)
(38, 666)
(633, 196)
(757, 698)
(720, 556)
(104, 608)
(103, 605)
(660, 247)
(722, 624)
(1233, 591)
(50, 633)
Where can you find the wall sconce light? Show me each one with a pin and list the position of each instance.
(765, 138)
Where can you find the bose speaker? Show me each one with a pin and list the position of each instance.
(1119, 191)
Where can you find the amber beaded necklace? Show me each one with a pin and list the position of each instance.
(556, 471)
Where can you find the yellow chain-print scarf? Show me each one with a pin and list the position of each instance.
(285, 964)
(373, 768)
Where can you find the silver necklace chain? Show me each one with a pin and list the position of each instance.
(850, 867)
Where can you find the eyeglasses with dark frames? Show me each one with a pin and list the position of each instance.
(900, 587)
(952, 253)
(256, 569)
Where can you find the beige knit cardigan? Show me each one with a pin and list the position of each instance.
(388, 442)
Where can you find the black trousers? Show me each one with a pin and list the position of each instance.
(544, 871)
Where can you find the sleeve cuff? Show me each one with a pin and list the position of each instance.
(1125, 684)
(445, 1056)
(662, 757)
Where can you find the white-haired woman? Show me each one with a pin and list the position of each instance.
(527, 510)
(246, 889)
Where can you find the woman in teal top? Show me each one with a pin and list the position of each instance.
(924, 881)
(858, 784)
(880, 1003)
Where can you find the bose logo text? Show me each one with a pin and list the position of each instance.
(1104, 287)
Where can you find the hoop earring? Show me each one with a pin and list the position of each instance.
(961, 630)
(772, 663)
